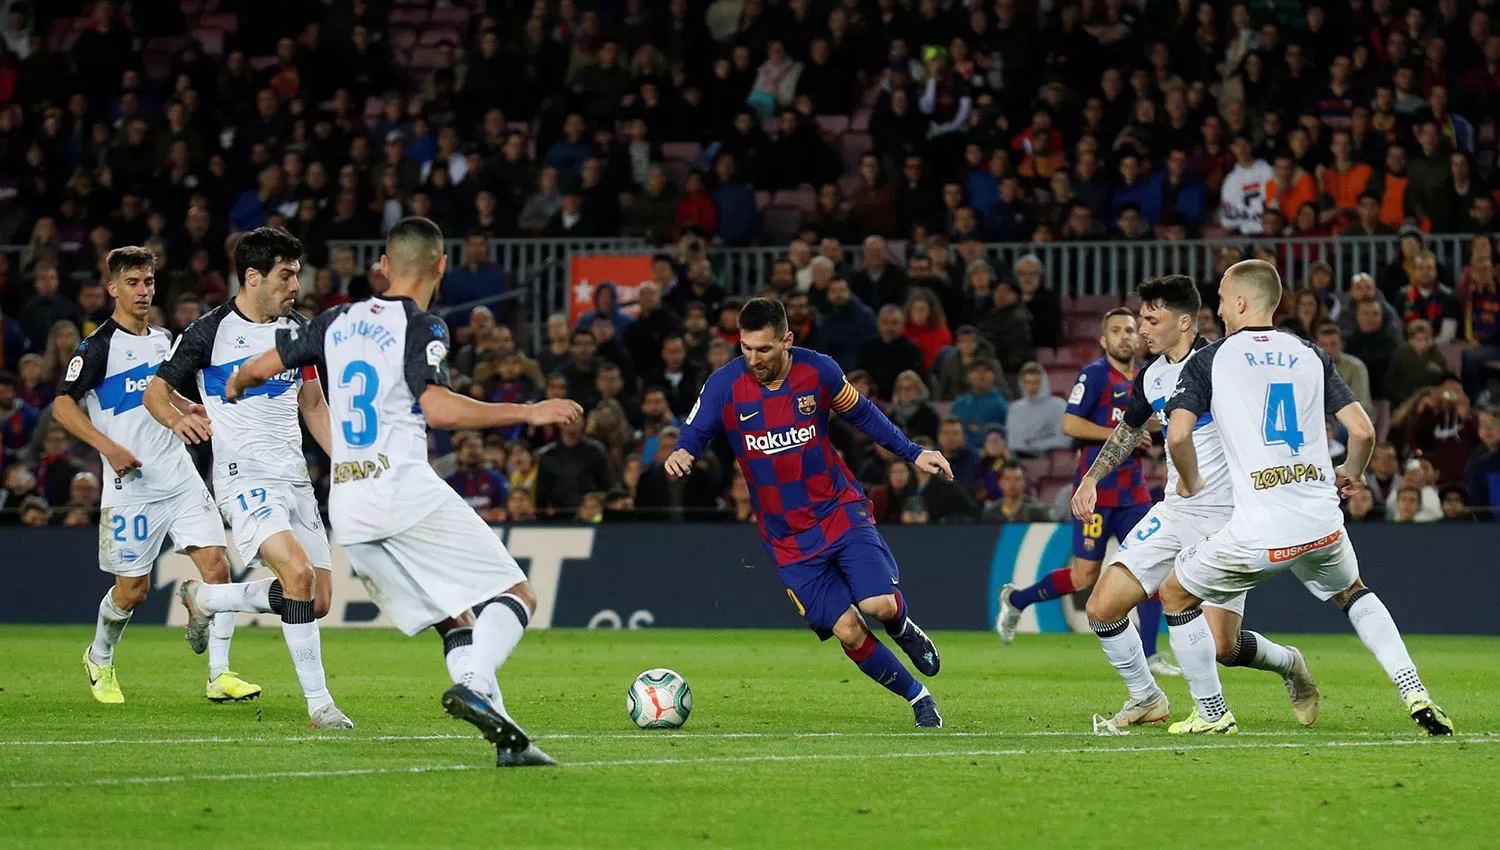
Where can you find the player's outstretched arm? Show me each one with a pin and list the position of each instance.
(1184, 454)
(1121, 444)
(864, 415)
(68, 414)
(259, 370)
(184, 419)
(1078, 428)
(447, 410)
(315, 415)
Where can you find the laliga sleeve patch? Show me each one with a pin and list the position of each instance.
(75, 368)
(693, 414)
(436, 351)
(1076, 395)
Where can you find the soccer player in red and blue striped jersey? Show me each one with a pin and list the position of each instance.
(1095, 406)
(774, 405)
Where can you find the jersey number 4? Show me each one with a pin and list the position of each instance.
(361, 425)
(1281, 418)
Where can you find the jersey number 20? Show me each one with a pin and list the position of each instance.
(1281, 418)
(361, 433)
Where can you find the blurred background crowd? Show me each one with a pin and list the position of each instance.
(905, 161)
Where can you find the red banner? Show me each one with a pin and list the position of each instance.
(626, 274)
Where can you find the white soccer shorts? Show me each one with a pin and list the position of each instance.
(1150, 548)
(1219, 567)
(447, 563)
(131, 537)
(256, 512)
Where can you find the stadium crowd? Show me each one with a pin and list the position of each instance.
(827, 127)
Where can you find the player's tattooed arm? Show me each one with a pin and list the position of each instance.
(1121, 444)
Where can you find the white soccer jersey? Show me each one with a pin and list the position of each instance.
(259, 438)
(381, 354)
(1244, 197)
(1154, 384)
(109, 373)
(1269, 393)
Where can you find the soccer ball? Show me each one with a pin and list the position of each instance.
(659, 699)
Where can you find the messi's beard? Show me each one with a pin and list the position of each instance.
(773, 369)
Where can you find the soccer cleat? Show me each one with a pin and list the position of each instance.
(229, 687)
(920, 649)
(198, 622)
(1160, 666)
(1196, 725)
(1010, 616)
(1153, 709)
(926, 711)
(1422, 709)
(1302, 689)
(102, 681)
(513, 748)
(329, 717)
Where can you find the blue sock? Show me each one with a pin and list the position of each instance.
(1054, 584)
(875, 660)
(1150, 614)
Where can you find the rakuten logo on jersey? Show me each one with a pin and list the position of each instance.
(777, 442)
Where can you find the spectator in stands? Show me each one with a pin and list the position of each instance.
(606, 305)
(569, 468)
(1174, 189)
(889, 498)
(62, 341)
(1482, 471)
(982, 404)
(56, 467)
(47, 307)
(1351, 368)
(1416, 363)
(926, 325)
(1420, 476)
(942, 500)
(475, 279)
(1367, 218)
(1361, 507)
(653, 208)
(963, 458)
(18, 419)
(737, 218)
(1362, 289)
(846, 325)
(699, 287)
(643, 337)
(1479, 299)
(483, 489)
(1244, 189)
(1007, 327)
(1428, 299)
(1040, 301)
(1015, 504)
(953, 368)
(554, 351)
(542, 204)
(1442, 429)
(878, 281)
(1455, 501)
(676, 500)
(890, 352)
(910, 407)
(581, 371)
(1384, 475)
(680, 378)
(34, 512)
(1034, 419)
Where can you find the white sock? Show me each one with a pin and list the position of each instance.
(1122, 646)
(252, 597)
(921, 695)
(1269, 655)
(497, 630)
(108, 629)
(1193, 644)
(305, 645)
(220, 630)
(1373, 623)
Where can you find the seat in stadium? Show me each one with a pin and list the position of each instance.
(683, 151)
(779, 223)
(1037, 468)
(408, 15)
(860, 121)
(437, 35)
(403, 39)
(855, 145)
(803, 197)
(833, 126)
(1097, 304)
(1050, 487)
(453, 16)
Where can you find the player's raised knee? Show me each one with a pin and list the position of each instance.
(850, 630)
(882, 608)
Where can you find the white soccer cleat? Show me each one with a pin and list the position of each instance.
(1302, 689)
(1160, 666)
(1153, 708)
(1010, 616)
(198, 621)
(329, 717)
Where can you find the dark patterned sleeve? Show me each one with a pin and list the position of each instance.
(190, 353)
(1195, 383)
(426, 353)
(1138, 411)
(303, 346)
(1336, 392)
(87, 368)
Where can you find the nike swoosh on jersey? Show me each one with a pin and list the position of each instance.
(749, 415)
(1121, 394)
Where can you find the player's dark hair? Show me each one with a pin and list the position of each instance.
(1175, 292)
(262, 248)
(130, 258)
(414, 246)
(761, 313)
(1118, 311)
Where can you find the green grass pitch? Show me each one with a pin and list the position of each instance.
(788, 746)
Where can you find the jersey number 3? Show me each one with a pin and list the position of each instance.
(1281, 418)
(361, 433)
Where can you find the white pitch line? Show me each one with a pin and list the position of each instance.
(447, 768)
(646, 736)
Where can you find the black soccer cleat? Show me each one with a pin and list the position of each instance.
(919, 648)
(465, 705)
(926, 711)
(529, 757)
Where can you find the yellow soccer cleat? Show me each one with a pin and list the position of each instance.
(228, 687)
(102, 681)
(1196, 725)
(1422, 709)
